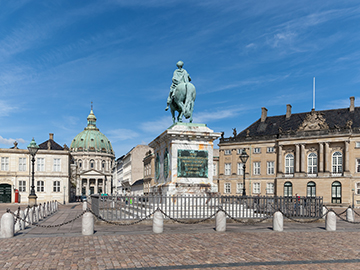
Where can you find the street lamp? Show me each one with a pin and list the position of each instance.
(244, 157)
(64, 194)
(33, 148)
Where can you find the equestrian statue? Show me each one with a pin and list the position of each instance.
(182, 94)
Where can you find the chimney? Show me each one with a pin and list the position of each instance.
(263, 114)
(288, 111)
(352, 104)
(51, 136)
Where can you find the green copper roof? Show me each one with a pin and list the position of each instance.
(91, 139)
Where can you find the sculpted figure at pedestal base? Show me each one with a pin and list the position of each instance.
(182, 94)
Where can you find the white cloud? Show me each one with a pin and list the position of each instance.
(206, 116)
(10, 141)
(155, 127)
(121, 134)
(6, 108)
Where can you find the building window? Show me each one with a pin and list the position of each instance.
(4, 163)
(336, 192)
(92, 164)
(269, 188)
(239, 151)
(56, 186)
(256, 188)
(80, 163)
(257, 150)
(240, 169)
(270, 168)
(312, 163)
(40, 186)
(103, 165)
(40, 164)
(287, 189)
(311, 189)
(22, 164)
(157, 167)
(357, 188)
(227, 188)
(239, 188)
(357, 145)
(358, 165)
(337, 162)
(22, 186)
(257, 168)
(270, 149)
(57, 164)
(227, 152)
(289, 164)
(227, 168)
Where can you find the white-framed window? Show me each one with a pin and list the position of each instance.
(22, 186)
(227, 168)
(22, 164)
(239, 151)
(312, 163)
(337, 162)
(40, 186)
(103, 165)
(357, 188)
(257, 150)
(239, 188)
(270, 149)
(311, 189)
(357, 144)
(57, 165)
(80, 163)
(4, 163)
(56, 186)
(227, 152)
(269, 188)
(92, 164)
(240, 169)
(40, 164)
(289, 164)
(227, 188)
(287, 189)
(257, 168)
(256, 188)
(270, 168)
(358, 165)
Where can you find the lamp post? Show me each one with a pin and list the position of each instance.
(353, 193)
(64, 194)
(244, 157)
(33, 148)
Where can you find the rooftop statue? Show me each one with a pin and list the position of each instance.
(182, 94)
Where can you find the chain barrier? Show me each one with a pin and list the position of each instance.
(356, 213)
(251, 222)
(117, 223)
(49, 226)
(302, 221)
(343, 219)
(191, 222)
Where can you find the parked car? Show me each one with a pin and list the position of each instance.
(83, 198)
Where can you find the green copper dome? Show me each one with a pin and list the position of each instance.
(91, 139)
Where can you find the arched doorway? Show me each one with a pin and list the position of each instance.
(5, 193)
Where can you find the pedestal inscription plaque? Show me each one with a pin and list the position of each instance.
(192, 163)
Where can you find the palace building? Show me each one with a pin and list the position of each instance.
(93, 158)
(314, 153)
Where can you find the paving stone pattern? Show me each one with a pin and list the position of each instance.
(300, 246)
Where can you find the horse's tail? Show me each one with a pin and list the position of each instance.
(189, 101)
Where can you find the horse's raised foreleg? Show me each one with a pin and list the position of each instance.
(173, 114)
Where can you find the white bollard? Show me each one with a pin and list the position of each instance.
(88, 224)
(30, 216)
(158, 222)
(324, 212)
(330, 221)
(41, 216)
(278, 222)
(350, 215)
(26, 217)
(7, 226)
(220, 221)
(84, 206)
(22, 220)
(17, 223)
(44, 210)
(37, 214)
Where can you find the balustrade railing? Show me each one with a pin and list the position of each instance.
(198, 207)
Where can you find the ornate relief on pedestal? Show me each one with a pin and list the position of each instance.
(313, 121)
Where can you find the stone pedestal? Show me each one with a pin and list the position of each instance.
(32, 200)
(278, 222)
(184, 160)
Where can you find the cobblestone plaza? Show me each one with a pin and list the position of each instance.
(300, 246)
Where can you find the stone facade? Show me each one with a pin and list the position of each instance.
(309, 154)
(51, 172)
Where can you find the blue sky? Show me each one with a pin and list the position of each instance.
(56, 57)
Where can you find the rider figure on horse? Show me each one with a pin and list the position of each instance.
(180, 76)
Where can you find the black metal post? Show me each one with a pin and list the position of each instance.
(32, 191)
(353, 194)
(244, 189)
